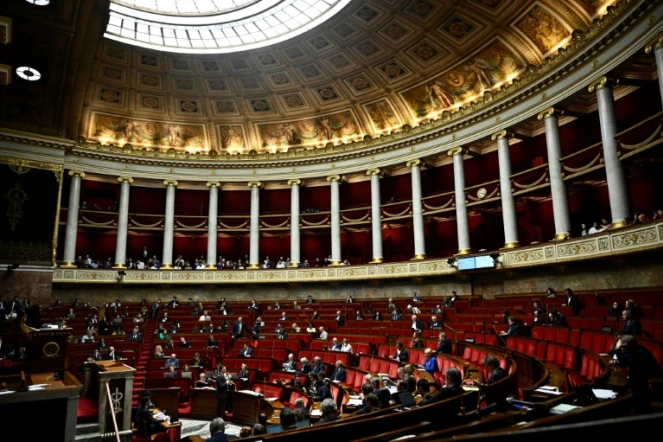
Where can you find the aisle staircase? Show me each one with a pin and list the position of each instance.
(143, 360)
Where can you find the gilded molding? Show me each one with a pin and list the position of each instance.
(457, 151)
(375, 171)
(549, 113)
(501, 134)
(211, 184)
(413, 163)
(295, 182)
(601, 83)
(20, 163)
(78, 173)
(125, 179)
(173, 183)
(655, 44)
(333, 178)
(253, 184)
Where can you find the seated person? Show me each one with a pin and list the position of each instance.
(284, 317)
(217, 429)
(339, 373)
(288, 419)
(513, 328)
(246, 351)
(538, 319)
(329, 411)
(197, 360)
(184, 343)
(642, 366)
(335, 345)
(205, 317)
(444, 345)
(493, 366)
(281, 333)
(452, 381)
(243, 372)
(171, 371)
(434, 323)
(556, 318)
(295, 328)
(290, 364)
(430, 363)
(202, 381)
(536, 307)
(212, 342)
(630, 325)
(417, 340)
(401, 353)
(158, 352)
(172, 360)
(346, 347)
(359, 316)
(615, 310)
(146, 423)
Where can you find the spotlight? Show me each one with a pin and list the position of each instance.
(452, 262)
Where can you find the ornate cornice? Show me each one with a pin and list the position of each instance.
(334, 178)
(17, 162)
(211, 184)
(169, 183)
(655, 44)
(125, 179)
(78, 173)
(374, 171)
(503, 134)
(457, 151)
(253, 184)
(296, 182)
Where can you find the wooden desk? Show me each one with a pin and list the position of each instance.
(174, 430)
(203, 403)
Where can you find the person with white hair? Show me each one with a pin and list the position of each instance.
(329, 411)
(290, 364)
(346, 347)
(306, 366)
(323, 334)
(217, 430)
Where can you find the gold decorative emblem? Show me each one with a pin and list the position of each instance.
(16, 196)
(482, 193)
(51, 349)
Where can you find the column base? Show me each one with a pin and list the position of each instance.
(561, 236)
(464, 251)
(253, 266)
(377, 261)
(617, 224)
(210, 267)
(419, 257)
(68, 265)
(335, 264)
(119, 266)
(293, 265)
(166, 267)
(511, 245)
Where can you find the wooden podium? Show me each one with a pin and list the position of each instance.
(248, 404)
(50, 348)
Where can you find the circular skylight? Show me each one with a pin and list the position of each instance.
(27, 73)
(214, 26)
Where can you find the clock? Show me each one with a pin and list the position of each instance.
(51, 349)
(482, 193)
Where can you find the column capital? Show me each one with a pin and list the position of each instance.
(655, 44)
(375, 171)
(457, 151)
(78, 173)
(211, 184)
(413, 163)
(168, 183)
(295, 182)
(125, 179)
(602, 82)
(334, 178)
(501, 134)
(253, 184)
(549, 113)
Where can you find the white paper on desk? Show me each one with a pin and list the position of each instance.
(316, 413)
(601, 393)
(392, 389)
(355, 402)
(546, 391)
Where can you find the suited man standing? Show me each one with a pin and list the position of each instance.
(238, 328)
(339, 374)
(630, 325)
(573, 301)
(221, 392)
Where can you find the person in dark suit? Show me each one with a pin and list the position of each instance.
(536, 307)
(339, 374)
(444, 345)
(212, 342)
(642, 366)
(221, 392)
(317, 366)
(238, 328)
(630, 325)
(329, 411)
(243, 372)
(615, 311)
(493, 366)
(246, 351)
(359, 316)
(434, 324)
(401, 353)
(202, 381)
(306, 366)
(217, 428)
(513, 328)
(135, 335)
(452, 388)
(556, 318)
(573, 301)
(538, 319)
(145, 421)
(112, 355)
(417, 324)
(335, 345)
(340, 319)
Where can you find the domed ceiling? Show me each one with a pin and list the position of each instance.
(373, 67)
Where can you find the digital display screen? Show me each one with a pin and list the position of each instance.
(466, 263)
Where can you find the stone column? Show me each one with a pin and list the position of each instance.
(618, 191)
(69, 256)
(560, 201)
(169, 225)
(508, 203)
(122, 223)
(334, 182)
(295, 258)
(376, 215)
(462, 221)
(254, 248)
(212, 221)
(657, 47)
(417, 210)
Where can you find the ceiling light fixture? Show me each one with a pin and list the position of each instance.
(27, 73)
(39, 2)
